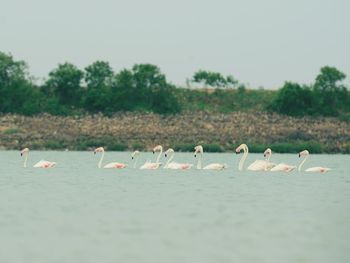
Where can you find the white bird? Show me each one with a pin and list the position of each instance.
(258, 165)
(214, 166)
(40, 164)
(114, 165)
(135, 156)
(281, 167)
(173, 165)
(152, 166)
(317, 169)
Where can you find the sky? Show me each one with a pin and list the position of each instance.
(261, 43)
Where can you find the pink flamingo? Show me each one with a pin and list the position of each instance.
(173, 165)
(40, 164)
(317, 169)
(213, 166)
(152, 166)
(258, 165)
(281, 167)
(114, 165)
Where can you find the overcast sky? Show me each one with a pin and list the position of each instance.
(262, 43)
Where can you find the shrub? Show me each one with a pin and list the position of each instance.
(293, 99)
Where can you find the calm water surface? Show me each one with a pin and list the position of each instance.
(79, 213)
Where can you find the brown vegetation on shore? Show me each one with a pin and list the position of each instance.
(134, 130)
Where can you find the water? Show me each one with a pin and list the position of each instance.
(78, 213)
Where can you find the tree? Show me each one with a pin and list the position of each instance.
(65, 83)
(293, 99)
(143, 87)
(214, 79)
(17, 93)
(98, 78)
(330, 94)
(123, 91)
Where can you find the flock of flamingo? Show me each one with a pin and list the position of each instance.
(258, 165)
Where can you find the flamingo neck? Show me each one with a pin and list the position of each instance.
(268, 157)
(100, 162)
(170, 159)
(159, 155)
(302, 163)
(245, 155)
(199, 162)
(135, 161)
(25, 161)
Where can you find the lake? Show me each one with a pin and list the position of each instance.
(76, 212)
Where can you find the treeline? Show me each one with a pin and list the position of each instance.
(69, 90)
(328, 96)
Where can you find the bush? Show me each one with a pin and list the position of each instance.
(184, 147)
(293, 99)
(212, 148)
(117, 147)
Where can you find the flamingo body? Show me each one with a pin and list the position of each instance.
(44, 164)
(261, 165)
(115, 165)
(215, 166)
(282, 167)
(318, 169)
(179, 166)
(150, 166)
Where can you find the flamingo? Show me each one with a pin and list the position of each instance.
(152, 166)
(135, 156)
(258, 165)
(173, 165)
(40, 164)
(115, 165)
(281, 167)
(317, 169)
(214, 166)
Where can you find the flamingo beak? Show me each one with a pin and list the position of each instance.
(21, 154)
(299, 155)
(153, 152)
(264, 155)
(166, 155)
(195, 156)
(132, 157)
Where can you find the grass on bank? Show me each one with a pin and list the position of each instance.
(224, 100)
(87, 144)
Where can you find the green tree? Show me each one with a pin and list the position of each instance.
(214, 79)
(123, 92)
(17, 93)
(293, 99)
(98, 78)
(143, 88)
(64, 82)
(330, 94)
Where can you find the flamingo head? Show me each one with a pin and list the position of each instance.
(198, 149)
(304, 153)
(24, 151)
(241, 147)
(158, 148)
(267, 152)
(99, 150)
(169, 151)
(135, 154)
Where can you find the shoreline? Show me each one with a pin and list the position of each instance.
(217, 132)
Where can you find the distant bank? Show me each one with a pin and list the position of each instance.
(217, 132)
